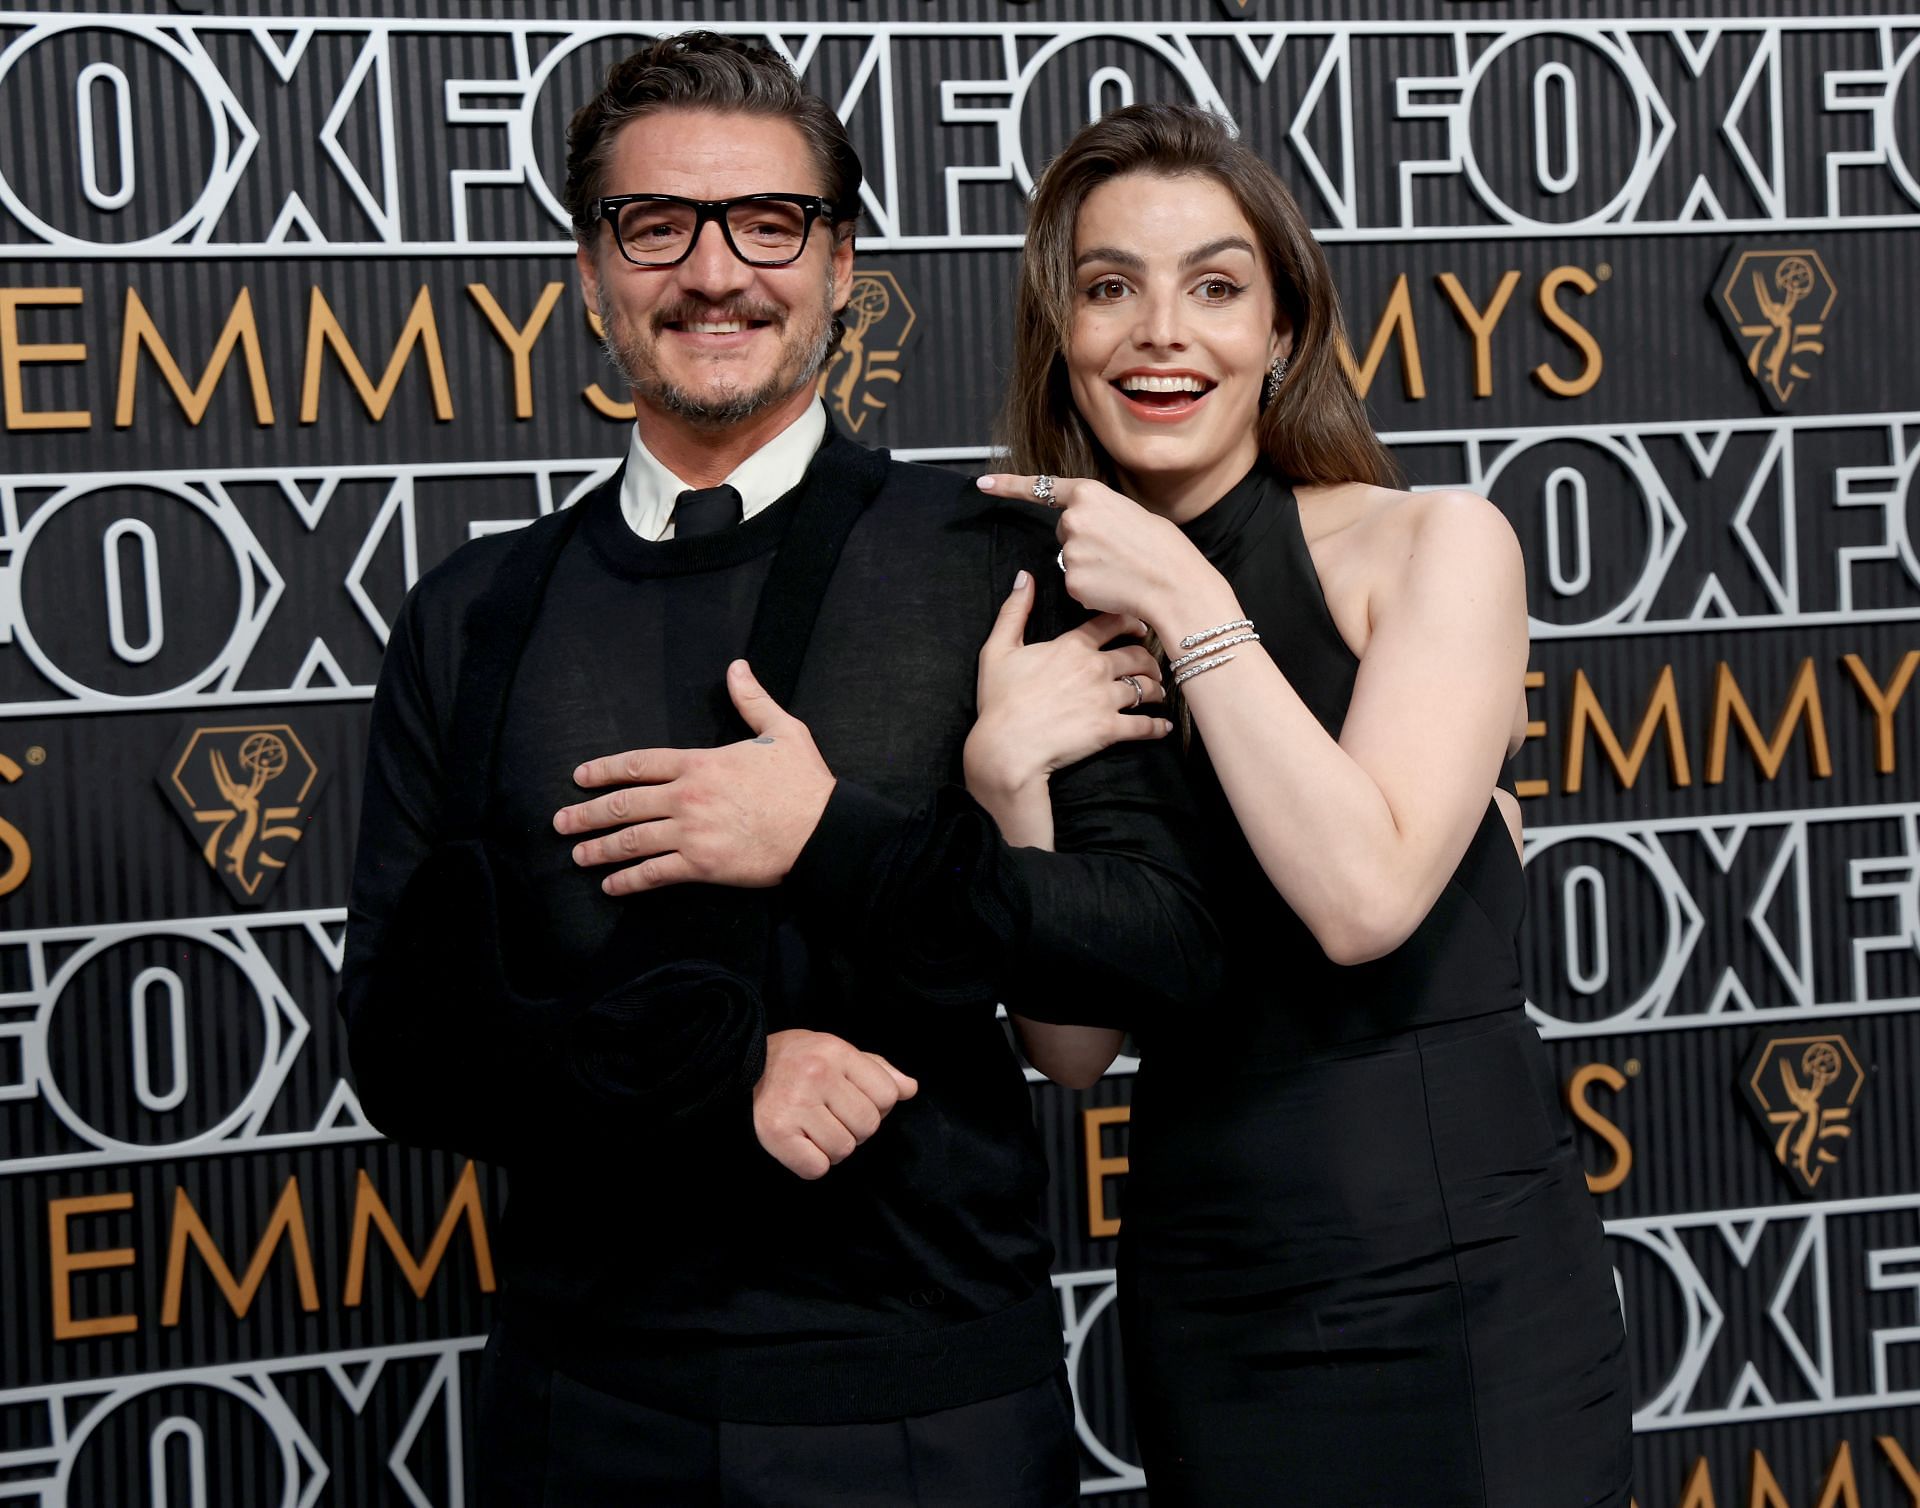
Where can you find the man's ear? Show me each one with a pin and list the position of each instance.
(589, 268)
(842, 271)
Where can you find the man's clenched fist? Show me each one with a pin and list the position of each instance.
(820, 1097)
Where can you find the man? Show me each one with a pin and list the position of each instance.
(685, 1320)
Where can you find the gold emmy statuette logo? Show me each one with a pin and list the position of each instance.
(878, 320)
(242, 792)
(1775, 305)
(1802, 1090)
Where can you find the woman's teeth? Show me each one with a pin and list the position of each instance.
(1141, 383)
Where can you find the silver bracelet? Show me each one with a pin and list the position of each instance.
(1206, 649)
(1193, 670)
(1214, 633)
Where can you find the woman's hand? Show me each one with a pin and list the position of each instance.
(1120, 557)
(1047, 705)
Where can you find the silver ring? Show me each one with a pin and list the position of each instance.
(1138, 695)
(1061, 559)
(1043, 488)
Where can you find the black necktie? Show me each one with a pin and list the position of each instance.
(705, 510)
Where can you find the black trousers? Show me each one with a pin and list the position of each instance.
(546, 1441)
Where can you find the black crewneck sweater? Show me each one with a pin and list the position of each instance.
(651, 1247)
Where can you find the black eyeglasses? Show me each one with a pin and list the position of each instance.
(762, 230)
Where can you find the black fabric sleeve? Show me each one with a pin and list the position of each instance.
(1111, 929)
(445, 1052)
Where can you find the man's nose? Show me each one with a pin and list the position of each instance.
(711, 270)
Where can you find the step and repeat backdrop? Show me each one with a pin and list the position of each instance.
(287, 313)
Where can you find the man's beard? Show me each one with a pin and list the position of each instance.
(633, 361)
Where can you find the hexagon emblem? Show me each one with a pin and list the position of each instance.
(877, 321)
(1775, 305)
(1802, 1091)
(243, 792)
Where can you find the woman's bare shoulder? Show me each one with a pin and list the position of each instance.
(1455, 537)
(1377, 518)
(1375, 547)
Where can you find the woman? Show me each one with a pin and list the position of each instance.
(1359, 1264)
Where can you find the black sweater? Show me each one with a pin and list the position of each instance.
(605, 1049)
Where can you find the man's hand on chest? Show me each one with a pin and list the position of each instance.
(737, 815)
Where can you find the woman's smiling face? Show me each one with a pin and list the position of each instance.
(1172, 334)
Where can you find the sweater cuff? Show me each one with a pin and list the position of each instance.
(848, 851)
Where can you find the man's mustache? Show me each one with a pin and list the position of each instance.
(687, 312)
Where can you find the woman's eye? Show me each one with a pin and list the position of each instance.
(1217, 290)
(1106, 289)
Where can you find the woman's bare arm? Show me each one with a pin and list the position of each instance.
(1358, 835)
(1361, 835)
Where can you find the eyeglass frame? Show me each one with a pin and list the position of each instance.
(812, 206)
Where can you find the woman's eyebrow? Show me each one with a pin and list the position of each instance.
(1214, 248)
(1111, 255)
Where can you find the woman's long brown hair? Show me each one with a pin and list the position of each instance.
(1315, 430)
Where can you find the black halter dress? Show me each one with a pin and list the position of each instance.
(1360, 1265)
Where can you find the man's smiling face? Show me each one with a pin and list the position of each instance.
(713, 342)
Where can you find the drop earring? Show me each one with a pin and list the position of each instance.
(1274, 373)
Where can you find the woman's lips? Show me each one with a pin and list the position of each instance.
(1161, 408)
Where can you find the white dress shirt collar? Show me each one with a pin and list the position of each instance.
(649, 490)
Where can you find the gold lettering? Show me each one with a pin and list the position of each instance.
(1101, 1167)
(1698, 1493)
(1480, 323)
(288, 1219)
(65, 1262)
(1584, 1112)
(1884, 703)
(324, 331)
(519, 342)
(1536, 728)
(596, 396)
(1397, 318)
(240, 332)
(370, 1212)
(1567, 325)
(16, 353)
(1902, 1467)
(1762, 1490)
(1840, 1486)
(19, 851)
(1663, 710)
(1803, 700)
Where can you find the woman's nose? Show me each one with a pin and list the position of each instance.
(1160, 326)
